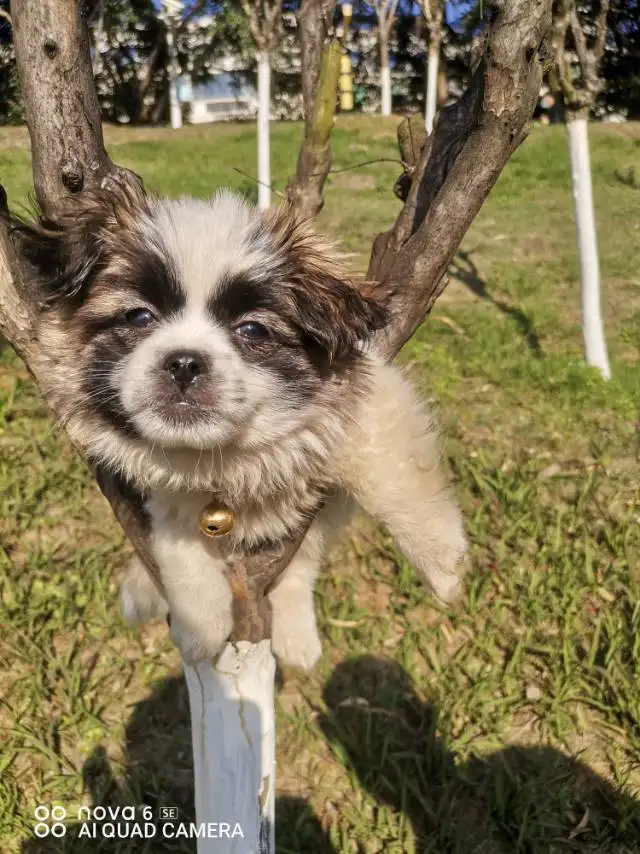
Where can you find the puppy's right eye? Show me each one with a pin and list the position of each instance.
(252, 331)
(139, 317)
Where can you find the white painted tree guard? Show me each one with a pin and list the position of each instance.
(385, 85)
(595, 348)
(432, 88)
(175, 110)
(264, 154)
(233, 734)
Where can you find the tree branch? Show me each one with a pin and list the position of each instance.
(601, 30)
(320, 74)
(459, 165)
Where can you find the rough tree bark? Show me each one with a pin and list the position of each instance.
(265, 24)
(66, 141)
(447, 178)
(386, 12)
(580, 84)
(321, 54)
(433, 11)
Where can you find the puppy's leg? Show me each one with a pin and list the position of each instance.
(393, 467)
(295, 637)
(140, 599)
(200, 601)
(199, 597)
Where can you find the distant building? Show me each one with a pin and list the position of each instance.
(230, 91)
(226, 95)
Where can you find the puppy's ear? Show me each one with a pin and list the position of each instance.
(332, 308)
(65, 253)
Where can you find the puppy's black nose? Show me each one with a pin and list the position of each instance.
(184, 367)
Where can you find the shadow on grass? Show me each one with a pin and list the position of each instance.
(464, 269)
(530, 800)
(159, 773)
(520, 799)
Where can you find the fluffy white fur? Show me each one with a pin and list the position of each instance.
(251, 439)
(388, 461)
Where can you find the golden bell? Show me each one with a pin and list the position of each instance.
(216, 520)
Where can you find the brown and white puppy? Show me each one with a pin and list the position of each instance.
(201, 348)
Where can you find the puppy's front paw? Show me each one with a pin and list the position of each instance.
(446, 586)
(446, 578)
(206, 643)
(296, 646)
(140, 600)
(294, 639)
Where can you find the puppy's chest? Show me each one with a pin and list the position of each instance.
(175, 520)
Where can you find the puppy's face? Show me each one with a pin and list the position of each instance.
(195, 324)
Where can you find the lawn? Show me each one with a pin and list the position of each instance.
(507, 723)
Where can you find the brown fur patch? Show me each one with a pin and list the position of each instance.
(334, 307)
(64, 252)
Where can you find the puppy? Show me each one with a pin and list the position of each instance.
(204, 350)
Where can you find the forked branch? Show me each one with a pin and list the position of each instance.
(265, 23)
(386, 12)
(448, 179)
(579, 90)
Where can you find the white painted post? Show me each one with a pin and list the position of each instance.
(432, 86)
(264, 105)
(593, 330)
(233, 735)
(385, 77)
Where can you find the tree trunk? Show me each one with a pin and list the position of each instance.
(595, 347)
(385, 76)
(432, 82)
(233, 737)
(174, 102)
(264, 156)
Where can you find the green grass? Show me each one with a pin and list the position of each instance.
(508, 723)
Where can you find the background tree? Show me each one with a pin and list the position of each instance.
(129, 42)
(265, 24)
(130, 58)
(621, 61)
(10, 102)
(578, 50)
(433, 11)
(386, 13)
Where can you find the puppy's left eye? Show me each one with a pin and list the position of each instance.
(252, 331)
(139, 317)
